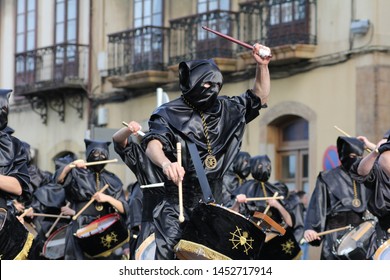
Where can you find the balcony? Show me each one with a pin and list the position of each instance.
(288, 27)
(44, 70)
(137, 58)
(189, 41)
(49, 76)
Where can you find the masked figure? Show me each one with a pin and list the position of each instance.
(214, 124)
(15, 240)
(337, 201)
(83, 183)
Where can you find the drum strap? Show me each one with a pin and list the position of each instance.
(204, 183)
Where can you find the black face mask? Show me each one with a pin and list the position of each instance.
(242, 165)
(261, 168)
(4, 102)
(193, 76)
(96, 155)
(96, 151)
(349, 150)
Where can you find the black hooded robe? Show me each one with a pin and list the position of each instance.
(176, 122)
(331, 207)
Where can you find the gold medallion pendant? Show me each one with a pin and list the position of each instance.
(356, 202)
(99, 206)
(210, 162)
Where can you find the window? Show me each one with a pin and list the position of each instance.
(148, 42)
(207, 41)
(25, 40)
(288, 22)
(147, 12)
(66, 22)
(292, 154)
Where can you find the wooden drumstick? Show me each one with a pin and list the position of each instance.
(140, 133)
(346, 134)
(55, 222)
(50, 215)
(96, 162)
(303, 240)
(243, 44)
(181, 215)
(89, 203)
(26, 212)
(264, 198)
(269, 206)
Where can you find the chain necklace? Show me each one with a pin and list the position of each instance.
(98, 205)
(355, 201)
(211, 160)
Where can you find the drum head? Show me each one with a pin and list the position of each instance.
(383, 252)
(147, 249)
(54, 247)
(355, 238)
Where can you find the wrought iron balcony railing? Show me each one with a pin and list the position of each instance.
(51, 67)
(280, 22)
(136, 50)
(189, 41)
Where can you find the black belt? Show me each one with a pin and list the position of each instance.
(342, 219)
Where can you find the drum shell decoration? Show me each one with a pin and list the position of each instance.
(106, 240)
(18, 240)
(282, 247)
(215, 232)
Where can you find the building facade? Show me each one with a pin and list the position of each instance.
(78, 68)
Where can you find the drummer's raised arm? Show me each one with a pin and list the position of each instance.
(67, 168)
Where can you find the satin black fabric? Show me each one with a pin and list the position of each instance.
(176, 122)
(38, 177)
(142, 201)
(378, 182)
(4, 107)
(13, 162)
(294, 206)
(347, 146)
(80, 186)
(235, 177)
(332, 196)
(193, 75)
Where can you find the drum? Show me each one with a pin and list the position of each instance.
(15, 239)
(214, 232)
(31, 228)
(101, 237)
(54, 247)
(281, 247)
(354, 244)
(147, 249)
(383, 252)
